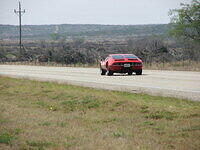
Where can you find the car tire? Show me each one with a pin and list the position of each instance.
(109, 73)
(130, 73)
(103, 72)
(139, 72)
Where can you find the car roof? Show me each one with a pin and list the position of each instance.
(121, 54)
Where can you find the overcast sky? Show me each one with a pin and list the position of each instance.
(89, 11)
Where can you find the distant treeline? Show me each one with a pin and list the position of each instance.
(63, 31)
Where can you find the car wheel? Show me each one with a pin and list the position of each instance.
(130, 73)
(109, 73)
(103, 72)
(139, 72)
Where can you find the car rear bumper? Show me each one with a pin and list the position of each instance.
(122, 69)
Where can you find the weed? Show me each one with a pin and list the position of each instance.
(184, 134)
(86, 103)
(47, 91)
(42, 104)
(109, 120)
(45, 124)
(6, 137)
(192, 115)
(118, 134)
(170, 146)
(148, 123)
(160, 129)
(3, 120)
(17, 131)
(39, 144)
(69, 144)
(63, 96)
(144, 109)
(162, 114)
(61, 124)
(193, 128)
(119, 103)
(70, 137)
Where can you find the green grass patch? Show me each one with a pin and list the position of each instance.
(148, 123)
(39, 144)
(69, 144)
(162, 115)
(118, 134)
(6, 137)
(62, 124)
(3, 120)
(45, 124)
(82, 104)
(193, 128)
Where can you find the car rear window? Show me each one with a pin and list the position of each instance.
(130, 56)
(117, 56)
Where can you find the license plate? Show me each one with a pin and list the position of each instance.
(127, 65)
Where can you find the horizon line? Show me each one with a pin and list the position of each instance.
(87, 24)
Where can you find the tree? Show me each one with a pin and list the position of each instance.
(55, 36)
(186, 21)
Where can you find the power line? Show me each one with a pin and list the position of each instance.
(19, 13)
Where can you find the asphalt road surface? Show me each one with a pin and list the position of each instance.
(180, 84)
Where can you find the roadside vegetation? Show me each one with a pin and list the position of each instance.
(175, 66)
(45, 115)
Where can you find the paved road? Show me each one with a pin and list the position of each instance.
(180, 84)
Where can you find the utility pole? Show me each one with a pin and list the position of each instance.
(19, 13)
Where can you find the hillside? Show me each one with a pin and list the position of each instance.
(41, 32)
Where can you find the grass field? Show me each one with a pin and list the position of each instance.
(43, 115)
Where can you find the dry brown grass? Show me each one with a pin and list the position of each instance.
(51, 64)
(43, 115)
(176, 66)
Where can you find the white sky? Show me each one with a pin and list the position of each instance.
(89, 11)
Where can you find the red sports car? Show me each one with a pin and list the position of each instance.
(121, 63)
